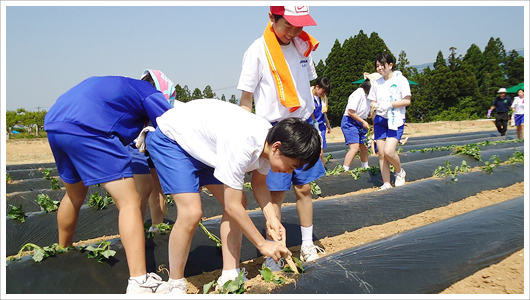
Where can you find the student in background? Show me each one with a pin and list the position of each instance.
(390, 95)
(319, 91)
(518, 111)
(354, 125)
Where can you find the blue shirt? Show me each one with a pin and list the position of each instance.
(502, 105)
(109, 106)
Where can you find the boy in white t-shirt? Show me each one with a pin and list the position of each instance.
(190, 149)
(390, 94)
(277, 63)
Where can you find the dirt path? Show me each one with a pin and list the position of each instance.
(506, 277)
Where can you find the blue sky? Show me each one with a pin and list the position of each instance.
(48, 49)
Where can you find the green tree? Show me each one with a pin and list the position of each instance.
(514, 68)
(208, 93)
(233, 99)
(440, 61)
(197, 94)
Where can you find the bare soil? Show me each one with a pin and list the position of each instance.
(506, 277)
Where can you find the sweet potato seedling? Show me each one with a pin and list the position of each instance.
(236, 286)
(101, 252)
(46, 203)
(16, 213)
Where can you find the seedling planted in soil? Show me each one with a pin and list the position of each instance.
(101, 252)
(98, 202)
(47, 204)
(16, 213)
(40, 253)
(236, 286)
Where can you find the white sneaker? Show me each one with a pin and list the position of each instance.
(153, 284)
(269, 263)
(400, 177)
(310, 253)
(178, 287)
(224, 279)
(385, 186)
(153, 229)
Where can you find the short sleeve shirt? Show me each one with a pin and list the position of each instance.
(220, 134)
(518, 105)
(391, 90)
(359, 103)
(256, 78)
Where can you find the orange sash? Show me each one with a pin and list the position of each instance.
(279, 68)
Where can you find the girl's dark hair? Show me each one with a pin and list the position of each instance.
(299, 140)
(149, 79)
(383, 58)
(366, 85)
(323, 82)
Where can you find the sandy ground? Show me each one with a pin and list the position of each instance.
(506, 277)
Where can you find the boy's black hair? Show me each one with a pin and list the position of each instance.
(383, 58)
(323, 82)
(277, 17)
(299, 139)
(366, 85)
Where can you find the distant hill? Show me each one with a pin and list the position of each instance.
(423, 66)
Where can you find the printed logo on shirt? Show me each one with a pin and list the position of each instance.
(303, 62)
(394, 93)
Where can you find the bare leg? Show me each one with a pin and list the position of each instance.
(364, 152)
(520, 131)
(68, 212)
(354, 148)
(383, 162)
(231, 236)
(157, 200)
(189, 213)
(128, 201)
(144, 185)
(304, 204)
(390, 154)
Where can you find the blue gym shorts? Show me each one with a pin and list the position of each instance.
(323, 136)
(177, 170)
(354, 132)
(381, 130)
(139, 164)
(519, 119)
(282, 181)
(92, 159)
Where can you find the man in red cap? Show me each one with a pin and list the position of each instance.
(276, 73)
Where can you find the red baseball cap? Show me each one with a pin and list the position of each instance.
(296, 15)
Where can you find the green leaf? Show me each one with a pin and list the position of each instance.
(206, 287)
(266, 273)
(39, 254)
(16, 213)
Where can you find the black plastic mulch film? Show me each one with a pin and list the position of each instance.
(333, 218)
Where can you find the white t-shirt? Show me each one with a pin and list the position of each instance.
(220, 134)
(256, 78)
(359, 103)
(394, 89)
(518, 105)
